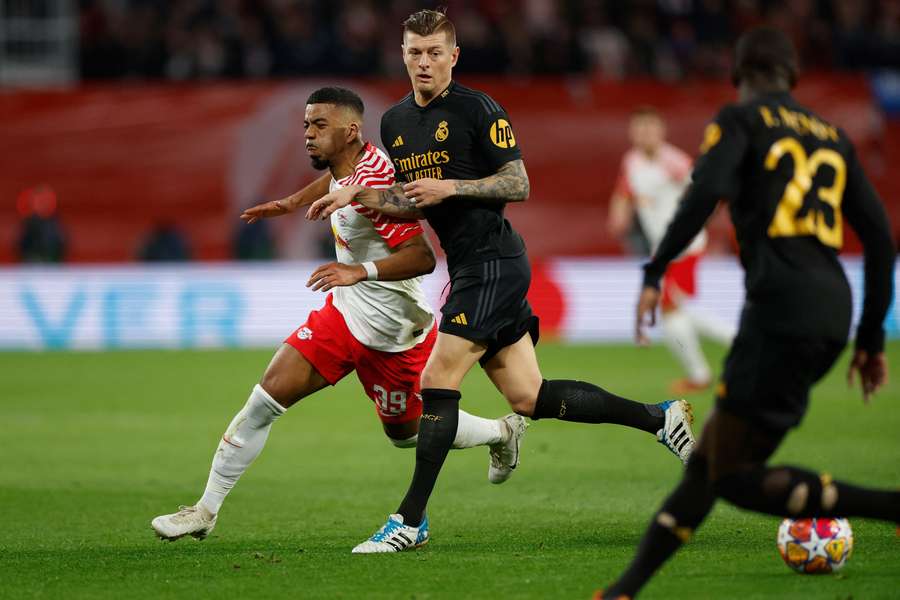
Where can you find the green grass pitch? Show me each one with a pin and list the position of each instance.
(96, 444)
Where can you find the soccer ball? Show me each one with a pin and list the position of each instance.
(815, 546)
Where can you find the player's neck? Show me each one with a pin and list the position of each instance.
(650, 153)
(345, 164)
(751, 91)
(424, 100)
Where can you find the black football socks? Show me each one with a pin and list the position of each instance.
(682, 513)
(795, 492)
(586, 403)
(437, 428)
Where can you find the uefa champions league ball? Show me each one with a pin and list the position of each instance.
(815, 546)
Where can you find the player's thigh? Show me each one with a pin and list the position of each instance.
(450, 360)
(515, 372)
(290, 377)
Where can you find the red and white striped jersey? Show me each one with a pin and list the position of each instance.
(655, 185)
(390, 316)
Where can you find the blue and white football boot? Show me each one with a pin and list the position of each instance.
(394, 536)
(676, 434)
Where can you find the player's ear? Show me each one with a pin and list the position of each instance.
(353, 131)
(454, 57)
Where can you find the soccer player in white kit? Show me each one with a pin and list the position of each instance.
(376, 321)
(653, 176)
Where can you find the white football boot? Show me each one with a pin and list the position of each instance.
(505, 455)
(195, 521)
(676, 434)
(394, 536)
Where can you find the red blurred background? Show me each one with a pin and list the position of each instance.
(123, 159)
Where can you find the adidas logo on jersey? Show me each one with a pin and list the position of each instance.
(460, 319)
(398, 142)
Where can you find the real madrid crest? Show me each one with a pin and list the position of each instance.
(442, 131)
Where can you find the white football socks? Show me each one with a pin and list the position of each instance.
(682, 340)
(471, 431)
(476, 431)
(711, 327)
(243, 441)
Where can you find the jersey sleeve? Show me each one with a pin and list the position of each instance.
(865, 212)
(714, 178)
(394, 231)
(377, 172)
(678, 164)
(494, 134)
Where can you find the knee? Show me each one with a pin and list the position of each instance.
(434, 376)
(409, 442)
(275, 386)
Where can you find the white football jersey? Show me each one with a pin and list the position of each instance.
(655, 186)
(390, 316)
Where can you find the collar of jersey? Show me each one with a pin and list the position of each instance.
(367, 148)
(438, 100)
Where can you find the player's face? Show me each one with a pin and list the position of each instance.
(325, 130)
(647, 132)
(429, 62)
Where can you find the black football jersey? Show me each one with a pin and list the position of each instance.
(793, 183)
(461, 134)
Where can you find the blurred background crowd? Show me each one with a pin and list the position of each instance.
(666, 39)
(184, 103)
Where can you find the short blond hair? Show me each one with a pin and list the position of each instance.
(426, 22)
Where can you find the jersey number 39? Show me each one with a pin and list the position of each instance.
(786, 223)
(389, 404)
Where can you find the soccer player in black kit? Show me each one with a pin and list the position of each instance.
(456, 149)
(792, 179)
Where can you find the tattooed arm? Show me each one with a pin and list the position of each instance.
(390, 201)
(508, 184)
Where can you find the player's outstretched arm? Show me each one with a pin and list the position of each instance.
(276, 208)
(412, 258)
(509, 184)
(390, 201)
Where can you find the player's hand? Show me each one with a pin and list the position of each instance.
(275, 208)
(646, 314)
(872, 370)
(335, 274)
(323, 207)
(428, 191)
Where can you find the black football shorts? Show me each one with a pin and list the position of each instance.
(487, 304)
(767, 377)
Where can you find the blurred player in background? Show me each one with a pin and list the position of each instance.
(456, 149)
(652, 178)
(791, 179)
(376, 321)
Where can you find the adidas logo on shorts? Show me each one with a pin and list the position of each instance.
(460, 319)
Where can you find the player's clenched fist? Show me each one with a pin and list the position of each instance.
(428, 192)
(335, 274)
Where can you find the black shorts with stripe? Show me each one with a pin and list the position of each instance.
(767, 377)
(487, 304)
